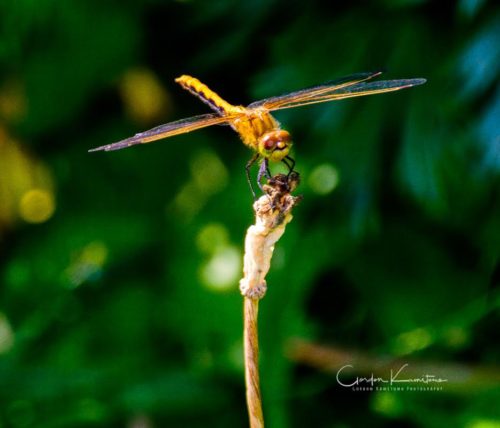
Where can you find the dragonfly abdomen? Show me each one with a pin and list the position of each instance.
(205, 94)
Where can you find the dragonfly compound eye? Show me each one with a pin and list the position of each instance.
(275, 145)
(276, 140)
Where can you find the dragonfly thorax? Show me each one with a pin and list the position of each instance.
(275, 145)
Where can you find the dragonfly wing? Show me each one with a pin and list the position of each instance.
(168, 130)
(275, 103)
(357, 90)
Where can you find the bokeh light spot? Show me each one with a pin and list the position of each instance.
(209, 173)
(26, 185)
(36, 206)
(483, 423)
(208, 176)
(211, 237)
(95, 253)
(324, 179)
(223, 270)
(456, 337)
(6, 334)
(188, 201)
(144, 97)
(386, 403)
(87, 264)
(140, 421)
(412, 341)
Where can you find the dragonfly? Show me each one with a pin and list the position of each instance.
(257, 128)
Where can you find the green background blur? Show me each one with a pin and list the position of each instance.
(119, 301)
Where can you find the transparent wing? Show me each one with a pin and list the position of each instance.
(275, 103)
(168, 130)
(356, 90)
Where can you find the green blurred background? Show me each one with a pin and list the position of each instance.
(119, 304)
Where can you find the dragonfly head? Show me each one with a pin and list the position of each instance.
(275, 145)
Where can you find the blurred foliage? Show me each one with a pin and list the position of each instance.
(118, 301)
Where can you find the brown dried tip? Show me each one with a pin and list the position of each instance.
(272, 213)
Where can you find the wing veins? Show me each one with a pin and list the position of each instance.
(357, 90)
(168, 130)
(275, 103)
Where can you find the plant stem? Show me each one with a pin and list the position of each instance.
(272, 213)
(251, 346)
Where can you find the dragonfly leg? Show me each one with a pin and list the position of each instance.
(247, 171)
(268, 172)
(263, 172)
(290, 164)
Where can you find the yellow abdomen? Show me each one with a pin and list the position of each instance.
(204, 93)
